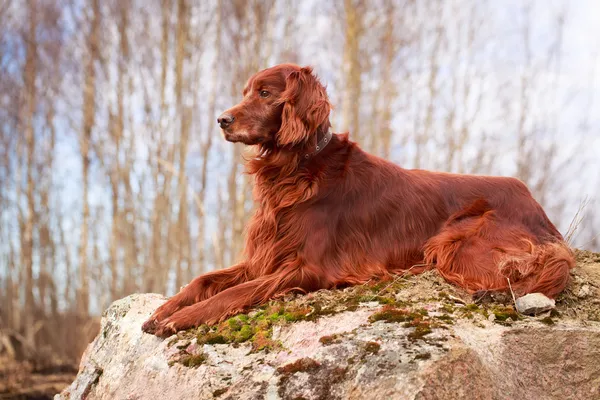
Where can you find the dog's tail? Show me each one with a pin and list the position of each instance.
(480, 252)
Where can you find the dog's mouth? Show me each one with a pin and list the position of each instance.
(241, 137)
(231, 136)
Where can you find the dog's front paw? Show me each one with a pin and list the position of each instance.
(186, 318)
(150, 325)
(165, 328)
(163, 312)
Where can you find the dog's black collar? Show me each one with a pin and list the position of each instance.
(321, 145)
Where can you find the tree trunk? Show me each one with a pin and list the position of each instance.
(352, 69)
(30, 108)
(89, 114)
(182, 230)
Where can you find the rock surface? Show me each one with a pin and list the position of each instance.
(410, 339)
(534, 304)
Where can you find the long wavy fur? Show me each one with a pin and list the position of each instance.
(345, 217)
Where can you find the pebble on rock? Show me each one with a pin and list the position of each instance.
(534, 303)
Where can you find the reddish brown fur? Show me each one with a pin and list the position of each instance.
(344, 217)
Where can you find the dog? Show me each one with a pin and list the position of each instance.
(331, 215)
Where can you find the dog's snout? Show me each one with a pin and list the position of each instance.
(225, 120)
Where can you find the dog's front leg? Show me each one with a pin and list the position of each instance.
(240, 298)
(200, 289)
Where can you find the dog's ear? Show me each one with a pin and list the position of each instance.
(306, 106)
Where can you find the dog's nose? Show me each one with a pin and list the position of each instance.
(225, 120)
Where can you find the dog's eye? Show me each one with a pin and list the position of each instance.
(264, 93)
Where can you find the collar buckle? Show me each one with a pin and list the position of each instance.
(321, 145)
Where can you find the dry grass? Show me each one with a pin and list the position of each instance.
(576, 221)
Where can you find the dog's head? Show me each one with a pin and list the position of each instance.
(283, 105)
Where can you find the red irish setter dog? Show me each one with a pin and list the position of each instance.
(330, 214)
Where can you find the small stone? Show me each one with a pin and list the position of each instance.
(584, 291)
(534, 303)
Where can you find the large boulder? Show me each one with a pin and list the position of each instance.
(410, 338)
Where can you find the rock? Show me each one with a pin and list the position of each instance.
(427, 350)
(584, 291)
(534, 303)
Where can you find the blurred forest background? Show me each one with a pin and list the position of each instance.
(114, 177)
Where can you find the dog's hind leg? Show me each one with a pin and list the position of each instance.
(480, 252)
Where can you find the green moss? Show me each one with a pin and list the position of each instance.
(245, 333)
(448, 308)
(547, 321)
(256, 327)
(297, 314)
(503, 313)
(262, 341)
(390, 314)
(469, 311)
(387, 300)
(274, 317)
(443, 296)
(382, 288)
(379, 299)
(421, 330)
(215, 339)
(366, 298)
(193, 360)
(419, 320)
(235, 324)
(445, 318)
(378, 286)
